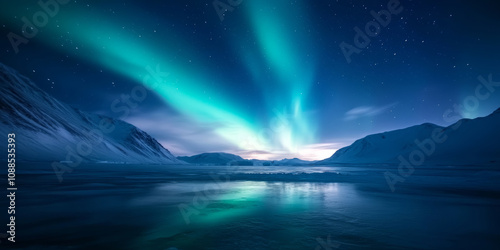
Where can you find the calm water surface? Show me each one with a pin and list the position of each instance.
(220, 207)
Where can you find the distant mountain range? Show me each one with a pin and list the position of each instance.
(49, 130)
(469, 141)
(231, 159)
(216, 159)
(284, 162)
(466, 142)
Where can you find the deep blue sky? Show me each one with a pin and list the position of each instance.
(269, 80)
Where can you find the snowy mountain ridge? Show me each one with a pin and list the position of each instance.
(49, 130)
(468, 141)
(217, 158)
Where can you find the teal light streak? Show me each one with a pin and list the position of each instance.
(188, 88)
(284, 47)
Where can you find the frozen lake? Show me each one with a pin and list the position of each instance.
(221, 207)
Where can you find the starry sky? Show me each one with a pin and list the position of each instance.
(262, 79)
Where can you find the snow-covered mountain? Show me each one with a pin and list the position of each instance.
(294, 162)
(284, 162)
(49, 130)
(215, 159)
(469, 141)
(231, 159)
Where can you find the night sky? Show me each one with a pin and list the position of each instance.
(268, 79)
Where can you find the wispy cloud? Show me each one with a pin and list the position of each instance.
(179, 134)
(366, 111)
